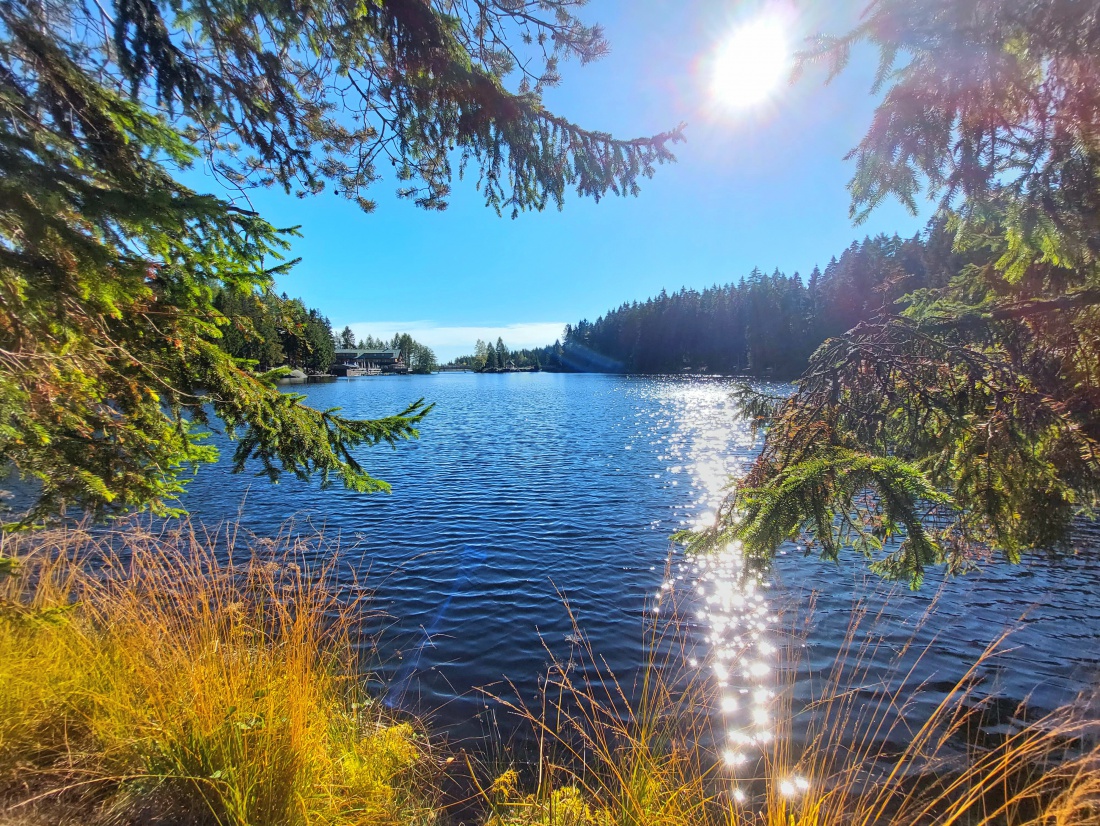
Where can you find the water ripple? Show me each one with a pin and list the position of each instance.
(568, 487)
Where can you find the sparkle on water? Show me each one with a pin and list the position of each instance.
(598, 538)
(736, 622)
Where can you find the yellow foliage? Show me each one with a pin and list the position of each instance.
(566, 806)
(506, 787)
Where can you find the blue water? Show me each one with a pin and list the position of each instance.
(525, 490)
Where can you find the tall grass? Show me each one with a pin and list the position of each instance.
(611, 752)
(863, 753)
(148, 679)
(146, 676)
(880, 746)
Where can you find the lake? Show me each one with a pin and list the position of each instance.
(525, 490)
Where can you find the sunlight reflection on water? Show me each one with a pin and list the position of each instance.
(532, 470)
(736, 621)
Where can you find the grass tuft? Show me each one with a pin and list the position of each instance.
(151, 679)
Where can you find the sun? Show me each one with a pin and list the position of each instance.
(751, 63)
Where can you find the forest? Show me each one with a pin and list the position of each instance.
(269, 331)
(762, 325)
(489, 357)
(266, 331)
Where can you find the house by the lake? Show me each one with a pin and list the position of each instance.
(355, 362)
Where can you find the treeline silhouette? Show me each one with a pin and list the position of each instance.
(763, 324)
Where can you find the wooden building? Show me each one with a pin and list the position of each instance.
(355, 362)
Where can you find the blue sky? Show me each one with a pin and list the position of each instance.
(761, 187)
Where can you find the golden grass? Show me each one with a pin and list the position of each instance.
(962, 763)
(153, 677)
(148, 680)
(615, 754)
(655, 761)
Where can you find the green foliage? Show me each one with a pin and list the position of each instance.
(492, 360)
(251, 333)
(765, 325)
(422, 359)
(984, 385)
(304, 335)
(372, 343)
(320, 90)
(419, 358)
(990, 107)
(481, 355)
(134, 307)
(109, 272)
(939, 412)
(523, 359)
(842, 498)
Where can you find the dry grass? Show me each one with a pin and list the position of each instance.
(145, 681)
(148, 679)
(969, 761)
(610, 753)
(647, 754)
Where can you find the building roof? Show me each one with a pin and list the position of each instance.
(355, 354)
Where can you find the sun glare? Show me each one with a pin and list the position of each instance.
(751, 64)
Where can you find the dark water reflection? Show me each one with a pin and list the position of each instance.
(525, 489)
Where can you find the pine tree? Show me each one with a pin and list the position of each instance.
(491, 360)
(109, 267)
(322, 347)
(423, 359)
(972, 411)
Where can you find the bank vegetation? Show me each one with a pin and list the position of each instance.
(181, 678)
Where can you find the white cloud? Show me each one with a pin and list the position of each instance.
(450, 342)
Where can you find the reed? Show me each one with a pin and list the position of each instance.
(611, 752)
(860, 754)
(147, 678)
(873, 753)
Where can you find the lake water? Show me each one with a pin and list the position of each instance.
(527, 489)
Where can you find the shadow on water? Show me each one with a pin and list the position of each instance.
(467, 567)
